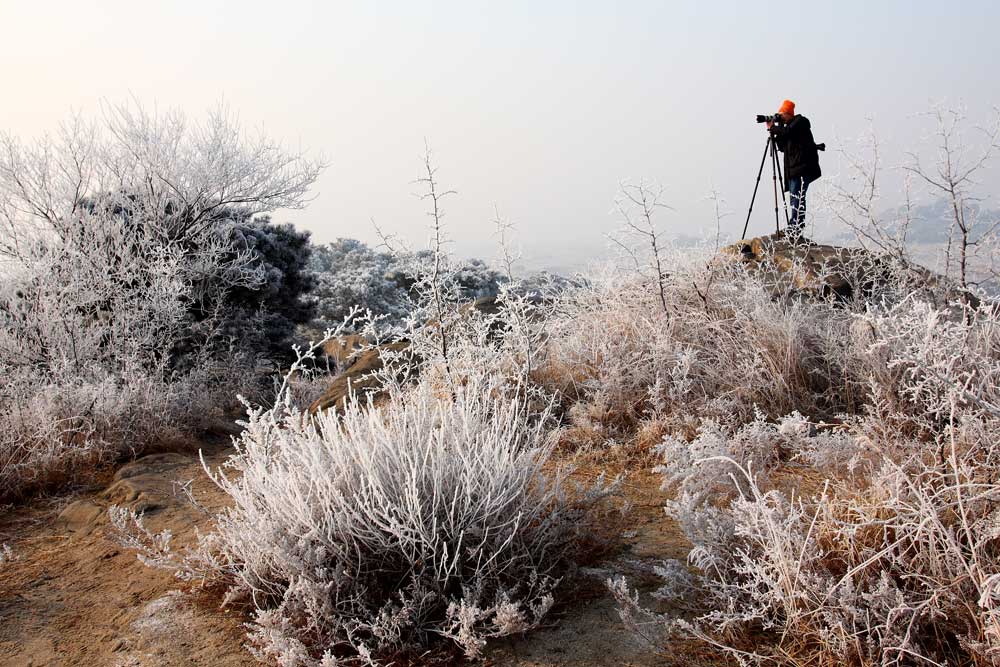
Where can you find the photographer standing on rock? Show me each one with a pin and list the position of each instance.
(793, 137)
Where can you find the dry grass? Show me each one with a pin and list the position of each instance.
(868, 541)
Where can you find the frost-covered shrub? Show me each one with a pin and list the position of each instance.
(350, 274)
(88, 369)
(359, 533)
(6, 554)
(722, 348)
(936, 361)
(901, 569)
(702, 470)
(380, 529)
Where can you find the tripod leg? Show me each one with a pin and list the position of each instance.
(774, 179)
(767, 147)
(784, 200)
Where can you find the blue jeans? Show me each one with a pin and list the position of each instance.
(797, 200)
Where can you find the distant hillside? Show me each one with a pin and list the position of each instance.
(930, 222)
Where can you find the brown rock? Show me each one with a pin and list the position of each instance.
(80, 517)
(152, 464)
(342, 348)
(356, 378)
(146, 484)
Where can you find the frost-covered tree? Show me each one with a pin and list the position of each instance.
(120, 253)
(959, 160)
(349, 274)
(268, 315)
(643, 242)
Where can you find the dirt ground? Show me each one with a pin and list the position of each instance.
(73, 596)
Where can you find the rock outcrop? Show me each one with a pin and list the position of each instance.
(75, 597)
(836, 272)
(358, 378)
(805, 266)
(144, 485)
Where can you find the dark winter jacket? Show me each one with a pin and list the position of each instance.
(795, 140)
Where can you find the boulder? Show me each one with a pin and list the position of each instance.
(154, 464)
(342, 348)
(146, 484)
(821, 270)
(80, 517)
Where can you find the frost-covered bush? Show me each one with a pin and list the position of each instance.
(59, 432)
(383, 528)
(722, 348)
(119, 255)
(900, 569)
(89, 372)
(936, 361)
(430, 512)
(701, 471)
(879, 544)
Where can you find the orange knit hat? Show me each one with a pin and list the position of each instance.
(788, 107)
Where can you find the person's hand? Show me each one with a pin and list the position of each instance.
(769, 124)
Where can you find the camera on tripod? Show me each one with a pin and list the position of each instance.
(778, 120)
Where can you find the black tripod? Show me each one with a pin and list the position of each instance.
(769, 147)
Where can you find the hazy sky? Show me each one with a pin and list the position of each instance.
(537, 107)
